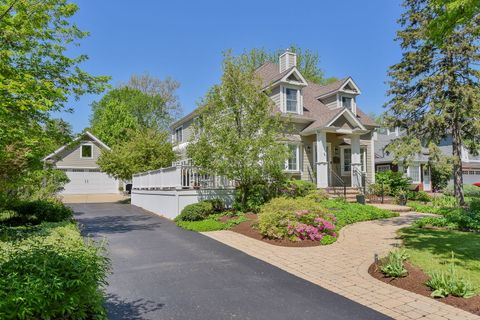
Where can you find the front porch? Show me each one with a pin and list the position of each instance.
(333, 158)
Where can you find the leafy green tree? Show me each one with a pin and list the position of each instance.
(449, 15)
(143, 103)
(147, 150)
(307, 62)
(36, 78)
(236, 134)
(112, 119)
(434, 89)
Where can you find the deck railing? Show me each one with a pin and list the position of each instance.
(179, 177)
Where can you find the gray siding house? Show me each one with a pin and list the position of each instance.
(333, 142)
(419, 171)
(79, 161)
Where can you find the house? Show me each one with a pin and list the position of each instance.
(79, 161)
(419, 170)
(333, 141)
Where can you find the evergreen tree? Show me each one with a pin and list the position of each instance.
(434, 88)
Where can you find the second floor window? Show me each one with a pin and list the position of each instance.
(179, 135)
(292, 100)
(347, 103)
(86, 151)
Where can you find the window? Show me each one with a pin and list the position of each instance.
(86, 151)
(292, 100)
(414, 173)
(293, 163)
(179, 134)
(346, 161)
(383, 167)
(347, 103)
(363, 158)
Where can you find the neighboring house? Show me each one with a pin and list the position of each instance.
(333, 142)
(79, 161)
(419, 170)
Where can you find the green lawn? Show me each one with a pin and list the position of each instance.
(212, 223)
(432, 249)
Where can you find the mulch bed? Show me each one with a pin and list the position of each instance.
(246, 228)
(415, 282)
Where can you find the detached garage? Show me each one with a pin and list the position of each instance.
(79, 161)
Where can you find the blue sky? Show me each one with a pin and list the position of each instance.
(185, 40)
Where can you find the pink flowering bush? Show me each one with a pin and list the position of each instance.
(296, 219)
(309, 226)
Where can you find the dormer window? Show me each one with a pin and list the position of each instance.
(347, 103)
(292, 100)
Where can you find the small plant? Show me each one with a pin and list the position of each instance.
(393, 266)
(445, 283)
(421, 196)
(317, 195)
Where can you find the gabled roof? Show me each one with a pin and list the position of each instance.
(80, 136)
(313, 108)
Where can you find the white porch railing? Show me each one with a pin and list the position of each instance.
(179, 177)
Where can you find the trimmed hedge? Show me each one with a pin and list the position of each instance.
(20, 212)
(48, 272)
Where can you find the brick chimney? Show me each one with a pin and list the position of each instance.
(287, 60)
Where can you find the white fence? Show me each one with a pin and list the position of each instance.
(178, 177)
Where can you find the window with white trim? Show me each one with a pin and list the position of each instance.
(86, 151)
(291, 96)
(179, 134)
(414, 173)
(346, 160)
(293, 161)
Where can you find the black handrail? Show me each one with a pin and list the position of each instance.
(339, 179)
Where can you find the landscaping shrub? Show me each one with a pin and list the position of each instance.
(37, 211)
(297, 188)
(440, 222)
(393, 266)
(317, 195)
(445, 283)
(47, 271)
(196, 211)
(379, 189)
(421, 196)
(280, 218)
(395, 181)
(217, 204)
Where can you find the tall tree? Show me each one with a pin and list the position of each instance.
(146, 150)
(236, 134)
(143, 103)
(307, 62)
(36, 77)
(434, 89)
(451, 14)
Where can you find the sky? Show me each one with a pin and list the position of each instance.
(185, 40)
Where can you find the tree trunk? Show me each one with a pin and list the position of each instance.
(457, 164)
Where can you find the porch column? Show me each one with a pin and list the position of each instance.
(356, 164)
(322, 164)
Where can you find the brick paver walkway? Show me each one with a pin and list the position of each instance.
(343, 267)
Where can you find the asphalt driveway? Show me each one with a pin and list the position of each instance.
(163, 272)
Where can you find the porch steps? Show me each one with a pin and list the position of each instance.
(338, 192)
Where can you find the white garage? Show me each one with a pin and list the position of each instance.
(88, 181)
(79, 161)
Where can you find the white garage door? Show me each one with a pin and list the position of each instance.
(85, 181)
